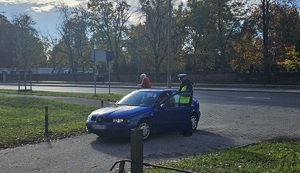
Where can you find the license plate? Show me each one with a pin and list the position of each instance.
(99, 127)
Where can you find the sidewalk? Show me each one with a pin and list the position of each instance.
(199, 86)
(270, 89)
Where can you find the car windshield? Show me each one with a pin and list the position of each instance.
(139, 98)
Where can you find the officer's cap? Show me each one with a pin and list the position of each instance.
(182, 75)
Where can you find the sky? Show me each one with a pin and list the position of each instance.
(43, 12)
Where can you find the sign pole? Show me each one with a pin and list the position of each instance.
(95, 78)
(108, 77)
(108, 59)
(100, 55)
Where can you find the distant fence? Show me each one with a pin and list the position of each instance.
(212, 77)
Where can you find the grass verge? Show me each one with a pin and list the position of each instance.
(23, 118)
(101, 96)
(264, 157)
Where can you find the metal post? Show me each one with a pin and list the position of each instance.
(46, 121)
(136, 150)
(108, 65)
(95, 77)
(25, 80)
(121, 167)
(169, 76)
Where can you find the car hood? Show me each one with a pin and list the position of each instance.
(121, 111)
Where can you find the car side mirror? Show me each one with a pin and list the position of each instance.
(163, 106)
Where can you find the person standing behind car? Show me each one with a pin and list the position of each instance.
(185, 98)
(186, 85)
(145, 81)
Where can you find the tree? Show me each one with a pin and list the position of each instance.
(198, 39)
(291, 62)
(181, 41)
(246, 49)
(109, 27)
(284, 34)
(280, 26)
(74, 37)
(6, 43)
(154, 33)
(28, 48)
(226, 18)
(211, 25)
(265, 26)
(58, 56)
(138, 49)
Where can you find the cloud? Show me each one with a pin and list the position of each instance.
(43, 12)
(38, 5)
(40, 9)
(42, 2)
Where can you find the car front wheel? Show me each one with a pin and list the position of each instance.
(194, 120)
(146, 127)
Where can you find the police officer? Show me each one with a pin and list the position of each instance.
(186, 85)
(185, 100)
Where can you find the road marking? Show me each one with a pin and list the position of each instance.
(262, 98)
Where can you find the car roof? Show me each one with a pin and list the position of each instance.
(157, 89)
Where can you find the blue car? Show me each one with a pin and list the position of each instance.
(153, 110)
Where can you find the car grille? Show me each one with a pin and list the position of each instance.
(99, 119)
(110, 120)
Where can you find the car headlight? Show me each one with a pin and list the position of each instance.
(92, 117)
(120, 120)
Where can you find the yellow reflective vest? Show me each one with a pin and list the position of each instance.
(184, 99)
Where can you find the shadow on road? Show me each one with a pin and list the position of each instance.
(166, 145)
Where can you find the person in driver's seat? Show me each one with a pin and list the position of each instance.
(162, 97)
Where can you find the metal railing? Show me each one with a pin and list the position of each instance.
(122, 165)
(136, 158)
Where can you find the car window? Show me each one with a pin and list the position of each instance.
(180, 99)
(163, 96)
(139, 98)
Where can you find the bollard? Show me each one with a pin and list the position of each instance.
(102, 103)
(136, 150)
(121, 167)
(46, 121)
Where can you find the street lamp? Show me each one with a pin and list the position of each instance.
(169, 75)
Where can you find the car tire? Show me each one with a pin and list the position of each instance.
(145, 125)
(194, 120)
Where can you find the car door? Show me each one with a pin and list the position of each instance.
(170, 115)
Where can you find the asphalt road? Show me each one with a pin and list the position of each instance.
(228, 119)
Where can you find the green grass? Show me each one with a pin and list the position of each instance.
(264, 157)
(23, 118)
(101, 96)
